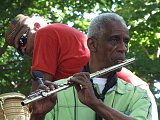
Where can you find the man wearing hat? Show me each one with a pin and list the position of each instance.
(58, 51)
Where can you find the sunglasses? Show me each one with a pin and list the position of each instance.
(22, 41)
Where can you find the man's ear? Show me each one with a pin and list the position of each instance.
(92, 44)
(37, 26)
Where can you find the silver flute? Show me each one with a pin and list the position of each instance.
(40, 94)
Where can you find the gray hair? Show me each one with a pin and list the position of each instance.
(97, 28)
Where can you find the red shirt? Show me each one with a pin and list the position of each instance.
(60, 50)
(129, 77)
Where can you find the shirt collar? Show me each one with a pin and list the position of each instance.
(120, 87)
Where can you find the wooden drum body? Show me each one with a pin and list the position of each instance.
(11, 108)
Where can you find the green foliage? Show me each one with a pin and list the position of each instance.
(142, 19)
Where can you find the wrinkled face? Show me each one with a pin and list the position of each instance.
(112, 46)
(24, 41)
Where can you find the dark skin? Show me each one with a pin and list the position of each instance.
(107, 50)
(110, 48)
(40, 108)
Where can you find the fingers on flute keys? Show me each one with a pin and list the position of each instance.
(48, 85)
(80, 80)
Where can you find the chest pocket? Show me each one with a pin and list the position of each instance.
(120, 102)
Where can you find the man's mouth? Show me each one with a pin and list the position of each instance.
(118, 61)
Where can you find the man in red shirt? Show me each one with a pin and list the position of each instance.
(58, 51)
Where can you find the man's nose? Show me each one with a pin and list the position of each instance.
(122, 47)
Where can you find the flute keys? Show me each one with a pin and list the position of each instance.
(44, 93)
